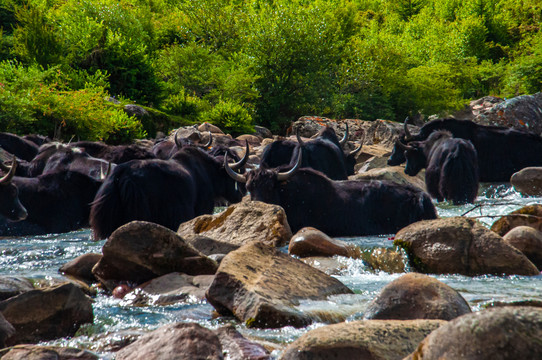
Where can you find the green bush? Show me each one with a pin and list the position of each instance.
(232, 118)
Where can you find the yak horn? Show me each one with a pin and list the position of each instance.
(408, 136)
(356, 150)
(235, 176)
(404, 146)
(210, 141)
(286, 175)
(243, 161)
(11, 173)
(345, 137)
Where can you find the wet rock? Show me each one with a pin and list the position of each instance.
(385, 259)
(528, 181)
(178, 341)
(497, 333)
(530, 215)
(521, 112)
(417, 296)
(209, 246)
(367, 339)
(36, 352)
(46, 314)
(262, 287)
(242, 223)
(527, 240)
(169, 289)
(460, 245)
(6, 330)
(140, 251)
(312, 242)
(81, 267)
(392, 173)
(13, 285)
(237, 347)
(206, 127)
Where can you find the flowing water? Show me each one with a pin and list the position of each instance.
(40, 257)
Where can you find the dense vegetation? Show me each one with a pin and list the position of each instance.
(240, 63)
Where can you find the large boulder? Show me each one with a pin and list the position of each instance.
(521, 112)
(237, 347)
(242, 223)
(38, 352)
(178, 341)
(498, 333)
(460, 245)
(140, 251)
(262, 287)
(528, 181)
(527, 240)
(366, 339)
(309, 241)
(14, 285)
(417, 296)
(47, 314)
(530, 215)
(392, 173)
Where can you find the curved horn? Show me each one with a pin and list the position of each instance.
(345, 137)
(286, 175)
(404, 146)
(243, 161)
(356, 150)
(408, 136)
(299, 140)
(9, 176)
(235, 176)
(210, 141)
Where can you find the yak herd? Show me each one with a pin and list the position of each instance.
(50, 187)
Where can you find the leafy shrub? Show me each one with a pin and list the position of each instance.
(230, 117)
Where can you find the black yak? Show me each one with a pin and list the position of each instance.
(51, 203)
(116, 154)
(338, 208)
(452, 166)
(166, 192)
(323, 153)
(14, 144)
(501, 151)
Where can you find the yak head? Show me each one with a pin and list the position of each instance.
(415, 157)
(397, 156)
(264, 184)
(10, 205)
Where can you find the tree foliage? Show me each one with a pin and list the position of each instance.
(259, 61)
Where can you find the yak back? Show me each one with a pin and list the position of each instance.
(341, 208)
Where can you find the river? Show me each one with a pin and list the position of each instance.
(40, 257)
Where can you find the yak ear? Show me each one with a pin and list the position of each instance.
(235, 176)
(6, 179)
